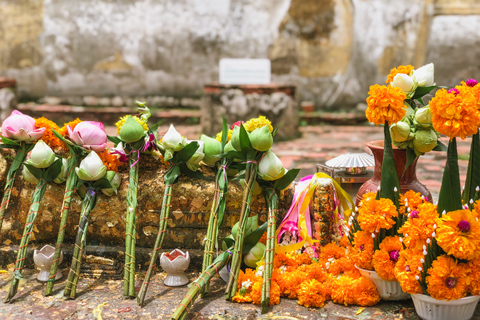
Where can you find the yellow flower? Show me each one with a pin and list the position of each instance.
(259, 122)
(407, 268)
(123, 119)
(385, 104)
(448, 280)
(385, 259)
(458, 233)
(454, 113)
(400, 69)
(312, 294)
(374, 215)
(218, 137)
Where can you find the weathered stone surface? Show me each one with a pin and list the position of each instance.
(187, 223)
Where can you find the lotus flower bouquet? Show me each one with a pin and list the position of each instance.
(18, 133)
(44, 167)
(183, 157)
(93, 177)
(415, 132)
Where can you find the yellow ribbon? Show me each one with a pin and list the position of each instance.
(302, 223)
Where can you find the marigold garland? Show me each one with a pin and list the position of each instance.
(447, 279)
(48, 137)
(385, 103)
(455, 114)
(458, 233)
(385, 259)
(400, 69)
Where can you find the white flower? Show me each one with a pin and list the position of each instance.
(91, 168)
(28, 176)
(423, 76)
(173, 140)
(405, 83)
(42, 156)
(270, 167)
(63, 175)
(194, 161)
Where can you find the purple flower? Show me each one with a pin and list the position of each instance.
(414, 214)
(455, 91)
(464, 226)
(472, 83)
(451, 282)
(394, 255)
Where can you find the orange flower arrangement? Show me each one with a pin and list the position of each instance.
(290, 284)
(331, 250)
(455, 113)
(374, 215)
(406, 270)
(448, 279)
(110, 160)
(350, 290)
(458, 233)
(362, 253)
(401, 69)
(385, 104)
(312, 294)
(419, 226)
(385, 259)
(48, 136)
(281, 259)
(474, 287)
(314, 271)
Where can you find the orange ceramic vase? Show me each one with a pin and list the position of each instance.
(408, 181)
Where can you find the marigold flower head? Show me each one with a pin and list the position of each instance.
(256, 123)
(474, 287)
(343, 266)
(314, 271)
(63, 130)
(374, 215)
(256, 293)
(414, 199)
(312, 294)
(447, 279)
(362, 253)
(331, 250)
(385, 259)
(455, 115)
(248, 275)
(418, 228)
(289, 283)
(119, 124)
(385, 103)
(407, 268)
(474, 88)
(476, 209)
(48, 137)
(458, 233)
(110, 160)
(218, 137)
(400, 69)
(348, 291)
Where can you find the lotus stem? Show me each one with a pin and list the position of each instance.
(272, 202)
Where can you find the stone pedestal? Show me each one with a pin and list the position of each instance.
(242, 102)
(8, 100)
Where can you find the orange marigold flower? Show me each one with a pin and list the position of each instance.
(365, 292)
(474, 287)
(312, 294)
(248, 275)
(281, 259)
(63, 130)
(314, 271)
(419, 225)
(263, 239)
(342, 266)
(331, 250)
(447, 279)
(407, 268)
(385, 259)
(374, 215)
(414, 199)
(289, 283)
(110, 160)
(362, 252)
(242, 298)
(455, 114)
(475, 90)
(458, 233)
(302, 259)
(385, 104)
(400, 69)
(476, 209)
(257, 292)
(48, 136)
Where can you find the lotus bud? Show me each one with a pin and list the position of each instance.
(63, 175)
(212, 149)
(254, 255)
(20, 127)
(405, 83)
(409, 112)
(270, 167)
(423, 76)
(114, 178)
(90, 135)
(235, 140)
(252, 224)
(131, 131)
(91, 168)
(400, 132)
(173, 140)
(28, 176)
(423, 117)
(425, 140)
(261, 138)
(42, 155)
(194, 161)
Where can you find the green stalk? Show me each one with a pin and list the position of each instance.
(250, 174)
(12, 174)
(167, 196)
(473, 172)
(200, 283)
(88, 204)
(450, 197)
(27, 232)
(272, 202)
(67, 198)
(130, 232)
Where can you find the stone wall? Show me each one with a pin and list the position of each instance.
(332, 50)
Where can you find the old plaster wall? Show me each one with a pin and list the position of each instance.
(331, 49)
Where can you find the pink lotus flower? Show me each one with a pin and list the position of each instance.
(90, 135)
(20, 127)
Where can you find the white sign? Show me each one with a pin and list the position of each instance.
(245, 71)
